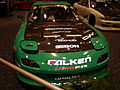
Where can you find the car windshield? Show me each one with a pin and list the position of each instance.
(105, 5)
(51, 14)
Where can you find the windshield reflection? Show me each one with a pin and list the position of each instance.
(52, 14)
(106, 5)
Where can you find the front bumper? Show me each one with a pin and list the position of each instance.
(94, 69)
(107, 25)
(65, 78)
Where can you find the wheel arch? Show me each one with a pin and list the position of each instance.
(92, 19)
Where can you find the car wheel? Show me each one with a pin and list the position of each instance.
(91, 20)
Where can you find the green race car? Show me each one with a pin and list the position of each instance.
(55, 44)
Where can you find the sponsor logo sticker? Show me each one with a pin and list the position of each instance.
(47, 29)
(88, 36)
(66, 40)
(66, 46)
(70, 62)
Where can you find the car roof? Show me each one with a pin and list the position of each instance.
(51, 3)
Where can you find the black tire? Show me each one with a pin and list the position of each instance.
(92, 20)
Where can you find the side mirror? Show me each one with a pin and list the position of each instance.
(29, 45)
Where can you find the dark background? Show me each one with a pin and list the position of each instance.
(9, 27)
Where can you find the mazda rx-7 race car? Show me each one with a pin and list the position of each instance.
(56, 45)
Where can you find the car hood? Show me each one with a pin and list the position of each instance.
(107, 12)
(60, 37)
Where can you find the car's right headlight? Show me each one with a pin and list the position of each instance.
(103, 57)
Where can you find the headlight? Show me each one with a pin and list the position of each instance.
(30, 63)
(102, 57)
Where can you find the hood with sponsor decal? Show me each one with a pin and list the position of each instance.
(60, 37)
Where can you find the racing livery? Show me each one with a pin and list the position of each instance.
(99, 13)
(56, 45)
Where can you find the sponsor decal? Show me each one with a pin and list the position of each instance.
(47, 29)
(70, 62)
(58, 84)
(70, 68)
(64, 68)
(88, 36)
(66, 46)
(61, 32)
(101, 0)
(66, 40)
(82, 66)
(69, 77)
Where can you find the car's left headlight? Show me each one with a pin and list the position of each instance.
(29, 63)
